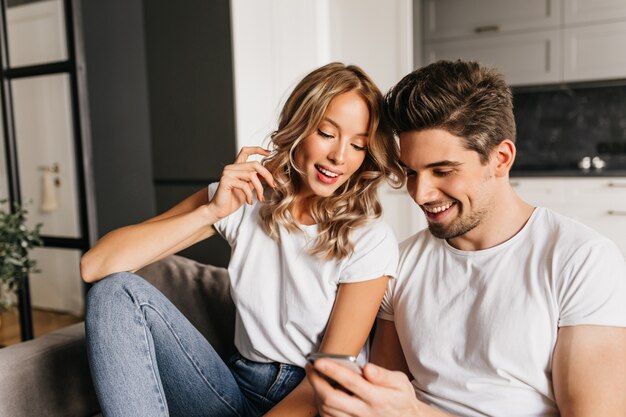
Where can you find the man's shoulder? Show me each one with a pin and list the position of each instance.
(565, 238)
(418, 242)
(565, 230)
(418, 250)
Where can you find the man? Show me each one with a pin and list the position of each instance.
(500, 308)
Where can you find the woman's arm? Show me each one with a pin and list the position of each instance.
(132, 247)
(348, 327)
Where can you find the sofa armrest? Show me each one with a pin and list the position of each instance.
(202, 293)
(48, 376)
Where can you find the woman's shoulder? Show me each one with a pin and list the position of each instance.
(375, 230)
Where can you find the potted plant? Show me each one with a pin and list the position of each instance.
(16, 241)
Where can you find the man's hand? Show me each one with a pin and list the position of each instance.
(379, 393)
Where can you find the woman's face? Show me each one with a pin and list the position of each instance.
(336, 149)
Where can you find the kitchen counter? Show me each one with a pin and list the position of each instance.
(569, 173)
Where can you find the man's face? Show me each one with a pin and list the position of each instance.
(453, 187)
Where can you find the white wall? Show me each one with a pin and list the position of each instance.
(375, 35)
(277, 42)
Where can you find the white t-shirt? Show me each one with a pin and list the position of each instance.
(479, 328)
(283, 295)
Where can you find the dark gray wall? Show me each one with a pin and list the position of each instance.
(191, 88)
(189, 64)
(118, 106)
(160, 89)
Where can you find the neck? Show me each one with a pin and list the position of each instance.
(301, 211)
(505, 218)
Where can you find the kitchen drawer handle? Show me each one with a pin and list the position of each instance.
(616, 213)
(487, 28)
(617, 184)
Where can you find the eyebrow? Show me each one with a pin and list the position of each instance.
(332, 122)
(445, 163)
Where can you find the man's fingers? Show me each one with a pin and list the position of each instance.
(331, 401)
(248, 151)
(384, 377)
(348, 379)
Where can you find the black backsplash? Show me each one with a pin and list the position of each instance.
(558, 126)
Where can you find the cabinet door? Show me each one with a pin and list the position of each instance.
(540, 192)
(599, 203)
(593, 52)
(457, 18)
(529, 58)
(580, 11)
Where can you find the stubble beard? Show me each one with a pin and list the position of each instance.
(458, 227)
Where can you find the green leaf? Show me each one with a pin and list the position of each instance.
(16, 241)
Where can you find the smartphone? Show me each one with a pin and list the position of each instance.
(345, 360)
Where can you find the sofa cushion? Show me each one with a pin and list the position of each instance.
(202, 293)
(47, 376)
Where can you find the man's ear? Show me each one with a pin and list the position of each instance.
(503, 156)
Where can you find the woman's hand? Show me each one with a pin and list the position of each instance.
(239, 180)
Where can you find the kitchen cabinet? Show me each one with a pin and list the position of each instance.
(591, 52)
(446, 19)
(600, 203)
(531, 42)
(522, 39)
(524, 58)
(585, 11)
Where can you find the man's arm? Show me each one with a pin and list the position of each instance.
(380, 392)
(386, 350)
(589, 371)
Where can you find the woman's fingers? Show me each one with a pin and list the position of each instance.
(239, 184)
(242, 177)
(256, 183)
(248, 151)
(253, 166)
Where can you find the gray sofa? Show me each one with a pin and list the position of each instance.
(49, 376)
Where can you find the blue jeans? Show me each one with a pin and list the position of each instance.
(147, 359)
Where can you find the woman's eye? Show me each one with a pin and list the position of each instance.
(324, 134)
(358, 147)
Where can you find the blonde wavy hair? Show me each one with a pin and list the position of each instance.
(355, 202)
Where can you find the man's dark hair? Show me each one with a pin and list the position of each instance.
(464, 98)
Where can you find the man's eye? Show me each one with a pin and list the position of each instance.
(324, 134)
(409, 172)
(442, 173)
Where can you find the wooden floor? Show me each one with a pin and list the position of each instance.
(43, 322)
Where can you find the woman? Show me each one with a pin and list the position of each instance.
(308, 269)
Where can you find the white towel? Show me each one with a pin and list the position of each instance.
(49, 201)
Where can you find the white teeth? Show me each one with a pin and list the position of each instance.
(438, 209)
(327, 172)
